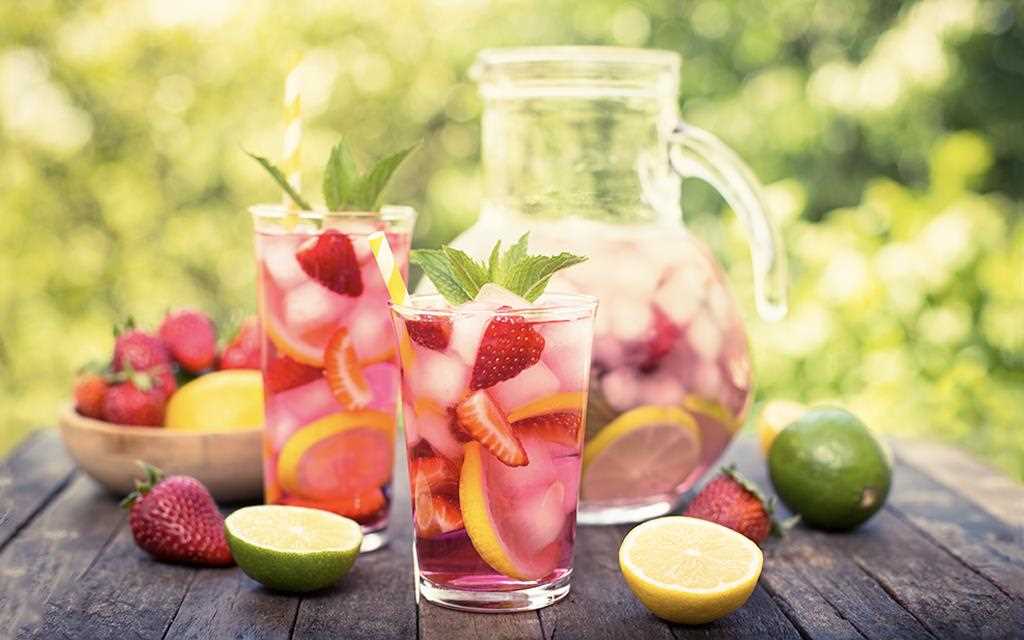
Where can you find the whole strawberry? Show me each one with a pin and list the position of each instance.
(90, 390)
(734, 502)
(137, 401)
(191, 338)
(244, 350)
(176, 520)
(139, 351)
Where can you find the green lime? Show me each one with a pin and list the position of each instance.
(829, 468)
(293, 548)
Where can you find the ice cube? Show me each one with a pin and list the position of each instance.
(289, 410)
(436, 428)
(630, 321)
(539, 473)
(567, 468)
(621, 388)
(383, 381)
(468, 326)
(567, 352)
(609, 351)
(680, 295)
(278, 255)
(541, 517)
(532, 383)
(372, 332)
(311, 308)
(412, 436)
(661, 388)
(708, 380)
(499, 296)
(438, 377)
(705, 336)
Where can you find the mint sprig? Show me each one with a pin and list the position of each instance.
(345, 188)
(458, 277)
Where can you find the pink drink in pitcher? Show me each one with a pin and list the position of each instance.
(329, 361)
(494, 406)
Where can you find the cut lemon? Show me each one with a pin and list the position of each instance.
(557, 403)
(295, 347)
(689, 571)
(339, 455)
(230, 400)
(293, 548)
(501, 525)
(712, 409)
(644, 452)
(775, 416)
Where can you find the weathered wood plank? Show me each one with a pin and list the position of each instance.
(124, 595)
(995, 492)
(225, 603)
(52, 550)
(823, 591)
(377, 599)
(29, 478)
(599, 603)
(988, 545)
(438, 623)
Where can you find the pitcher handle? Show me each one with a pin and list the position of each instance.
(695, 153)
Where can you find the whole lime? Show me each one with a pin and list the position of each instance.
(829, 468)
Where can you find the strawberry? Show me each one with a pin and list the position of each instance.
(432, 334)
(481, 419)
(244, 350)
(735, 502)
(436, 515)
(664, 336)
(562, 427)
(191, 338)
(139, 351)
(331, 260)
(508, 346)
(139, 401)
(176, 520)
(433, 475)
(344, 376)
(283, 373)
(90, 389)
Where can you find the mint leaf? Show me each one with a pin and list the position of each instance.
(436, 266)
(282, 182)
(459, 278)
(341, 178)
(371, 186)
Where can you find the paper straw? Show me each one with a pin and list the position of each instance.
(290, 159)
(392, 275)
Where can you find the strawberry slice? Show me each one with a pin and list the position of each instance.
(434, 475)
(341, 368)
(432, 334)
(509, 345)
(664, 336)
(283, 373)
(331, 260)
(436, 515)
(481, 419)
(562, 427)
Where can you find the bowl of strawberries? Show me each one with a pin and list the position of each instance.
(172, 398)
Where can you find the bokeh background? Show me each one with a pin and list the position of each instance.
(890, 137)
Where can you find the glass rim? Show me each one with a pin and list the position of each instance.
(564, 306)
(278, 211)
(503, 56)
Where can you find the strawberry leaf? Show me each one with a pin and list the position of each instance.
(341, 178)
(281, 181)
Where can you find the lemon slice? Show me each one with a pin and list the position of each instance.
(775, 416)
(564, 401)
(293, 548)
(689, 571)
(644, 452)
(230, 400)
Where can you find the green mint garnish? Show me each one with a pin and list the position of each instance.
(345, 188)
(459, 277)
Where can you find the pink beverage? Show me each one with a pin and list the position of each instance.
(329, 361)
(494, 406)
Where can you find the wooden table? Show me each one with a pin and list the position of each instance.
(944, 559)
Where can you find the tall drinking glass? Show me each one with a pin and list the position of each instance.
(494, 448)
(329, 360)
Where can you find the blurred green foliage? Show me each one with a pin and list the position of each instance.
(889, 135)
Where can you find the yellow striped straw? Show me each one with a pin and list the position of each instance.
(291, 159)
(392, 275)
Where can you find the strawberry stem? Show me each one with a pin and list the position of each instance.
(153, 477)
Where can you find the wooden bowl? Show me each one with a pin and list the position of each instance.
(229, 463)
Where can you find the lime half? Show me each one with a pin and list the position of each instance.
(293, 548)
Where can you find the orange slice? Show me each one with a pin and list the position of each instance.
(343, 373)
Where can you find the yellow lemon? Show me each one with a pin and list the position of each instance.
(564, 401)
(229, 400)
(689, 571)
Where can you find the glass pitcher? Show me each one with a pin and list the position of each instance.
(583, 146)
